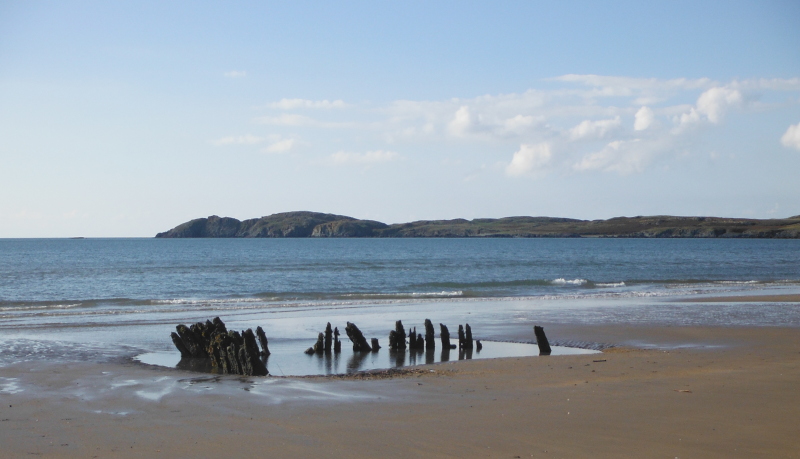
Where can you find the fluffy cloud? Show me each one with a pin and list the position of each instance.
(519, 123)
(791, 138)
(529, 158)
(566, 117)
(370, 157)
(643, 119)
(714, 102)
(461, 123)
(624, 157)
(238, 140)
(235, 74)
(293, 104)
(711, 106)
(594, 129)
(280, 146)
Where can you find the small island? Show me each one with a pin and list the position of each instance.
(315, 224)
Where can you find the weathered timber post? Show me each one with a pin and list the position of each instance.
(467, 337)
(430, 339)
(541, 340)
(262, 339)
(359, 342)
(328, 337)
(444, 334)
(337, 345)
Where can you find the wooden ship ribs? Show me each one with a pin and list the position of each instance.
(210, 346)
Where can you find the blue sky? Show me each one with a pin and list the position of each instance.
(127, 118)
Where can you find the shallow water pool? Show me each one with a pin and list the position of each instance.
(287, 357)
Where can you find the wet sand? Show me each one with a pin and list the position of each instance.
(684, 392)
(787, 298)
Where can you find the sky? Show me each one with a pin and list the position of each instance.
(124, 119)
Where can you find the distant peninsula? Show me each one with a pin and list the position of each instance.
(315, 224)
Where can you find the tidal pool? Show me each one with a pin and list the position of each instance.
(287, 357)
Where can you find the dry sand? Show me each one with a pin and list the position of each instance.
(728, 392)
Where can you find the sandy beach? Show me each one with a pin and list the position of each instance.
(693, 392)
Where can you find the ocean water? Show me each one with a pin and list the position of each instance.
(87, 297)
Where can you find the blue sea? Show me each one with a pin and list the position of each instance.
(101, 298)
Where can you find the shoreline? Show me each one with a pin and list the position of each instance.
(780, 298)
(683, 392)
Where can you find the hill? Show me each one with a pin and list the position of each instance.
(315, 224)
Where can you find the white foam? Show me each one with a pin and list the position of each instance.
(562, 281)
(611, 284)
(9, 386)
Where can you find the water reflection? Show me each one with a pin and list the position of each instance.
(287, 358)
(430, 356)
(355, 362)
(398, 356)
(198, 365)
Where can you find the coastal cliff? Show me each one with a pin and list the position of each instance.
(315, 224)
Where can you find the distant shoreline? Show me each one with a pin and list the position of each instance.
(314, 224)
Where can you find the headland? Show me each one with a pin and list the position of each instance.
(315, 224)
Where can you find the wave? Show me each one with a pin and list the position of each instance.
(562, 281)
(560, 287)
(610, 284)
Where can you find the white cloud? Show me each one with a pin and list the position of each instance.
(690, 117)
(238, 140)
(589, 129)
(519, 124)
(568, 116)
(293, 104)
(235, 74)
(461, 123)
(295, 120)
(370, 157)
(772, 84)
(714, 102)
(643, 91)
(643, 119)
(712, 106)
(624, 157)
(281, 146)
(529, 158)
(287, 120)
(791, 138)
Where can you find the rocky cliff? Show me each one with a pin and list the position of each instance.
(287, 224)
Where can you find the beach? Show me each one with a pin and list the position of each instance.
(688, 348)
(699, 392)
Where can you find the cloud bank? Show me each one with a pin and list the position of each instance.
(572, 124)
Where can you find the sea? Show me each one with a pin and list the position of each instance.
(119, 298)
